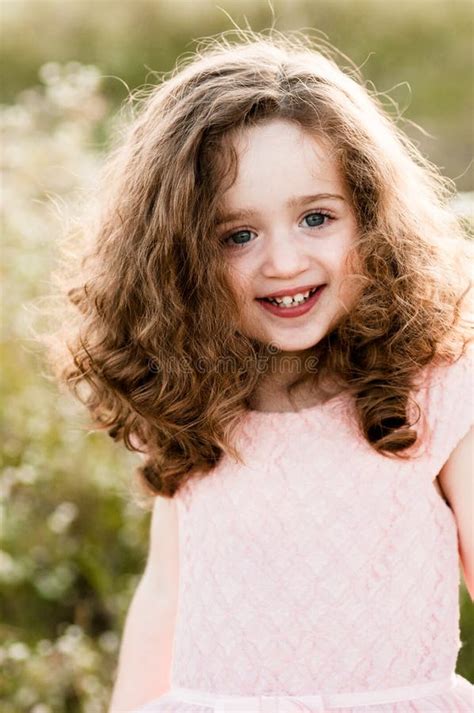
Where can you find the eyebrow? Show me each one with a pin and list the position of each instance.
(292, 203)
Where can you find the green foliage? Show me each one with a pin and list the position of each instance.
(73, 540)
(418, 49)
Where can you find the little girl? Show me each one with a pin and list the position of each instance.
(274, 311)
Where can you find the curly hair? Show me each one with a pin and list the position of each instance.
(150, 300)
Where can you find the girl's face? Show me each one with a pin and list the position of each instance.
(287, 227)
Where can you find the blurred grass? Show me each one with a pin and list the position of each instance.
(426, 44)
(73, 542)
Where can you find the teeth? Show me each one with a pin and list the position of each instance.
(286, 301)
(298, 297)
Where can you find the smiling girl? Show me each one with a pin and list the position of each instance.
(291, 254)
(274, 311)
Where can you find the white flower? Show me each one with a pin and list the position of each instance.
(18, 651)
(62, 517)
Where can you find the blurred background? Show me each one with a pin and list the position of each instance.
(73, 540)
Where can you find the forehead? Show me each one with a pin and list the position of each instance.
(278, 158)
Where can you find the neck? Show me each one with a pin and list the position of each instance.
(284, 368)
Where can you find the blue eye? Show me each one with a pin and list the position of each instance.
(316, 219)
(239, 235)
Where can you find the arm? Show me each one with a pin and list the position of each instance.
(145, 654)
(457, 482)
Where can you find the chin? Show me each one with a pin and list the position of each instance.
(285, 344)
(299, 346)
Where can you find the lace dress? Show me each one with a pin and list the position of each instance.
(321, 575)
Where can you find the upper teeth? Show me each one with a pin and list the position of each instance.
(287, 300)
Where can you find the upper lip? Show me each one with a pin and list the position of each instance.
(290, 291)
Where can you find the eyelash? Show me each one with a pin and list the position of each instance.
(237, 246)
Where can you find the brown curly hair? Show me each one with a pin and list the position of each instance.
(150, 301)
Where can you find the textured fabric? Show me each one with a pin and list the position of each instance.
(321, 566)
(316, 703)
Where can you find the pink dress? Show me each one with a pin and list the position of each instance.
(321, 575)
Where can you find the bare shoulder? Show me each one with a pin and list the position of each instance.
(162, 567)
(437, 486)
(457, 482)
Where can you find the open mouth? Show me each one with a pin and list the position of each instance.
(289, 302)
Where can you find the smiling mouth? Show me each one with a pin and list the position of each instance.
(289, 302)
(289, 309)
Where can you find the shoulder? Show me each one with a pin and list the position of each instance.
(446, 399)
(162, 568)
(440, 381)
(450, 373)
(457, 484)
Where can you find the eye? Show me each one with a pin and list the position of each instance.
(242, 237)
(317, 218)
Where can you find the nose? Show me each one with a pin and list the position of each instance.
(284, 256)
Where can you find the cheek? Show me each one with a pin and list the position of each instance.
(339, 264)
(244, 282)
(347, 260)
(244, 294)
(350, 284)
(239, 281)
(344, 270)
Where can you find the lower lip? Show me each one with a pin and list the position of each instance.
(287, 312)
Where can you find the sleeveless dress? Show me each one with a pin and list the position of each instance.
(321, 575)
